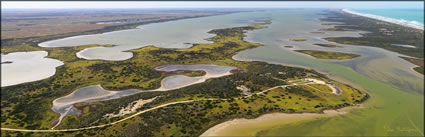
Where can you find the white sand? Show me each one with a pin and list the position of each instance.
(249, 127)
(131, 108)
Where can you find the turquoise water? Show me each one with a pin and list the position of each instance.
(405, 14)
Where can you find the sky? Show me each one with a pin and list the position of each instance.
(209, 4)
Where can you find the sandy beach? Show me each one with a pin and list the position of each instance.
(250, 127)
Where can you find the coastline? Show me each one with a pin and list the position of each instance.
(405, 23)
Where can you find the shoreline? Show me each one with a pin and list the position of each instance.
(277, 117)
(36, 40)
(45, 57)
(404, 23)
(132, 26)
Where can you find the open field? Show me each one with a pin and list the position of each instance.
(21, 23)
(328, 54)
(27, 106)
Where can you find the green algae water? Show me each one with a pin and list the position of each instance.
(389, 112)
(396, 104)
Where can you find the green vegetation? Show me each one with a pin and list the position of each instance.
(298, 40)
(416, 61)
(27, 106)
(329, 45)
(317, 32)
(383, 34)
(321, 87)
(195, 73)
(328, 54)
(419, 69)
(31, 43)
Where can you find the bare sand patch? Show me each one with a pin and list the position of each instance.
(249, 127)
(130, 108)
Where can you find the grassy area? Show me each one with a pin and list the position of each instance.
(321, 87)
(193, 118)
(328, 54)
(329, 45)
(419, 69)
(28, 105)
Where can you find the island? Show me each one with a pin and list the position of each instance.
(298, 40)
(328, 54)
(6, 62)
(329, 45)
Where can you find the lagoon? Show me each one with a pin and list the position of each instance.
(396, 91)
(26, 67)
(179, 81)
(171, 34)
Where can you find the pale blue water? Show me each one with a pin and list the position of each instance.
(405, 14)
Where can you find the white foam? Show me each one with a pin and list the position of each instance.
(412, 24)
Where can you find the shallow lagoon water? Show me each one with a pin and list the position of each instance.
(375, 63)
(27, 67)
(396, 103)
(171, 34)
(179, 81)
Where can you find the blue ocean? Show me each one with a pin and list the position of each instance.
(410, 17)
